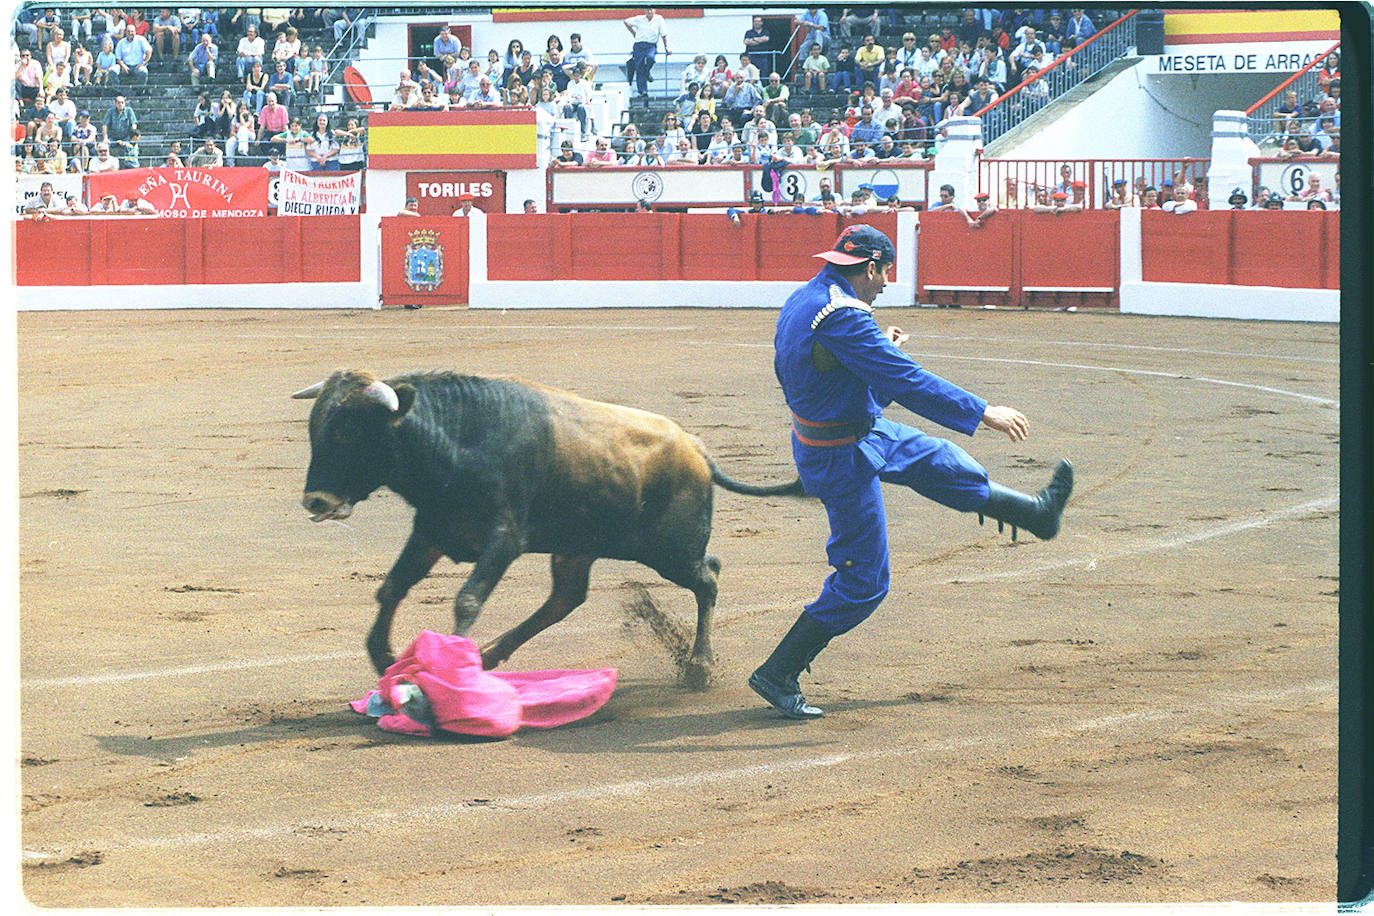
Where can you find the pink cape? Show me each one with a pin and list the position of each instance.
(469, 701)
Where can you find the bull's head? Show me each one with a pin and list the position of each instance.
(350, 429)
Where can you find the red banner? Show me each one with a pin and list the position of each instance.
(188, 192)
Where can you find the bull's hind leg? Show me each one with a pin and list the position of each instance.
(570, 577)
(701, 579)
(416, 560)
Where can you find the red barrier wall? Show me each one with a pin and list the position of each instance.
(135, 251)
(1282, 248)
(1073, 259)
(402, 239)
(663, 246)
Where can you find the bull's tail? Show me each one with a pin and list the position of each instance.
(748, 489)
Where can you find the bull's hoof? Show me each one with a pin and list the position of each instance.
(695, 675)
(491, 657)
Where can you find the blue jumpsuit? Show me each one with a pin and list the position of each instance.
(846, 396)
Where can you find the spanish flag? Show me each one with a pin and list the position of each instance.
(466, 139)
(1195, 27)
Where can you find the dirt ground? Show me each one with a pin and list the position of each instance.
(1142, 710)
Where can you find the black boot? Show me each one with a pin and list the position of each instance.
(1038, 514)
(776, 679)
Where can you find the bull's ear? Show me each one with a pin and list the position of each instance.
(405, 396)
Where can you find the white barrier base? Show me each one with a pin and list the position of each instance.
(544, 294)
(199, 296)
(1207, 300)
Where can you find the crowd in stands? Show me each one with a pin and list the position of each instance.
(270, 83)
(898, 96)
(1311, 126)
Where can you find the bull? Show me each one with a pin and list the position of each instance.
(497, 467)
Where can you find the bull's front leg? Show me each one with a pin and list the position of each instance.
(416, 560)
(503, 545)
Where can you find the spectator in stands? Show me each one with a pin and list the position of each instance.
(706, 101)
(223, 112)
(887, 108)
(118, 125)
(1333, 149)
(322, 149)
(758, 44)
(741, 98)
(747, 67)
(64, 110)
(525, 69)
(1237, 200)
(577, 97)
(992, 68)
(627, 143)
(1078, 29)
(516, 93)
(1313, 190)
(276, 18)
(759, 130)
(272, 118)
(868, 130)
(602, 154)
(1059, 205)
(514, 50)
(1021, 55)
(552, 43)
(486, 95)
(1180, 202)
(281, 83)
(202, 58)
(255, 86)
(130, 158)
(577, 54)
(946, 200)
(722, 77)
(286, 48)
(1330, 72)
(567, 156)
(685, 105)
(446, 43)
(1118, 198)
(554, 70)
(411, 208)
(863, 19)
(315, 72)
(351, 140)
(817, 33)
(703, 130)
(191, 25)
(699, 72)
(242, 134)
(56, 78)
(430, 100)
(647, 30)
(207, 156)
(815, 67)
(251, 50)
(102, 161)
(683, 153)
(980, 98)
(494, 69)
(775, 98)
(295, 140)
(166, 30)
(28, 76)
(58, 50)
(868, 60)
(106, 64)
(83, 139)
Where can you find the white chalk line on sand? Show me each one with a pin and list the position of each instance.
(1311, 507)
(1120, 370)
(440, 813)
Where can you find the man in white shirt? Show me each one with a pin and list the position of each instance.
(465, 208)
(684, 153)
(648, 30)
(485, 97)
(103, 161)
(250, 51)
(887, 109)
(576, 98)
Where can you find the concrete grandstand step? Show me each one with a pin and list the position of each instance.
(1045, 117)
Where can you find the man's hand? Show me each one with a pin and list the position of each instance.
(895, 335)
(1007, 420)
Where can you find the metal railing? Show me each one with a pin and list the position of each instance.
(1013, 183)
(1063, 73)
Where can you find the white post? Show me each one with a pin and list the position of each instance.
(1232, 149)
(956, 160)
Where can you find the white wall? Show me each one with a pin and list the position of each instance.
(1140, 115)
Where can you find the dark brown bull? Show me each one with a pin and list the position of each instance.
(495, 468)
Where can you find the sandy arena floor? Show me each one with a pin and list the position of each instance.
(1141, 710)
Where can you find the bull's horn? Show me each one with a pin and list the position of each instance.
(383, 393)
(313, 391)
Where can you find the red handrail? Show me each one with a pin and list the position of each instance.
(1054, 63)
(1288, 82)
